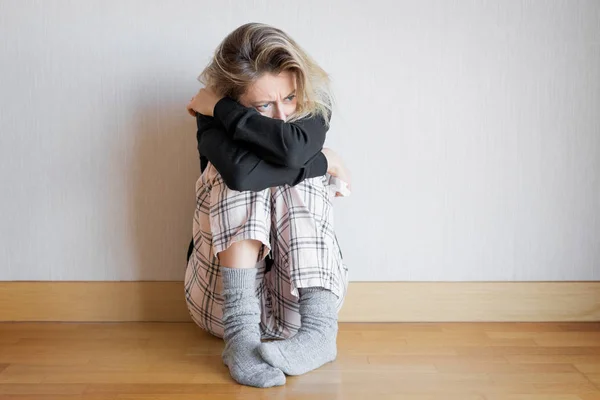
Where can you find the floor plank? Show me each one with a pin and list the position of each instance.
(487, 361)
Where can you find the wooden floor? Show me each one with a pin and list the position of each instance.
(376, 361)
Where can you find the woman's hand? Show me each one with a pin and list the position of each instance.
(336, 167)
(204, 102)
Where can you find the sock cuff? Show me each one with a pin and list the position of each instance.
(316, 292)
(313, 289)
(239, 278)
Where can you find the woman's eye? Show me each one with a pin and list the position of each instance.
(264, 106)
(290, 98)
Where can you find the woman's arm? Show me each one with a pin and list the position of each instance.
(290, 144)
(244, 170)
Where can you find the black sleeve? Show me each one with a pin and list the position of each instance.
(290, 144)
(243, 170)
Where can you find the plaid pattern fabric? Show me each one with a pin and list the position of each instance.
(294, 224)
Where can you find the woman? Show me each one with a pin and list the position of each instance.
(265, 261)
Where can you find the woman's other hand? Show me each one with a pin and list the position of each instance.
(336, 167)
(203, 102)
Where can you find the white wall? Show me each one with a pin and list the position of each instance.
(472, 129)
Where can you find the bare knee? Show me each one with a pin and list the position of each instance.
(242, 254)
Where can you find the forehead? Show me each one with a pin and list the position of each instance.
(271, 86)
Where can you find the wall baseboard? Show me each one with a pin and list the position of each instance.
(366, 301)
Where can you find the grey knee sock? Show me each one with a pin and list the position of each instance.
(241, 317)
(315, 342)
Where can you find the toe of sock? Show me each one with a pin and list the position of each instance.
(263, 377)
(271, 354)
(276, 378)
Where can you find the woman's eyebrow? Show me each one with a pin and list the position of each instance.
(258, 103)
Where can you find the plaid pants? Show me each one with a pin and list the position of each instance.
(294, 224)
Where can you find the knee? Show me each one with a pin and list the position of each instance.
(309, 199)
(235, 208)
(238, 182)
(223, 194)
(308, 187)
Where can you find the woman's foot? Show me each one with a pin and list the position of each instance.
(315, 342)
(241, 317)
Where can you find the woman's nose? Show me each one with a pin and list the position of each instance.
(279, 113)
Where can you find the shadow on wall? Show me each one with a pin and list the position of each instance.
(162, 194)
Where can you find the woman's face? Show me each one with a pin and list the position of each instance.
(274, 96)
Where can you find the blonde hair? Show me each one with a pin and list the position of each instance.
(255, 49)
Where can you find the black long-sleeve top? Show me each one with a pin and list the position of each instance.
(254, 152)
